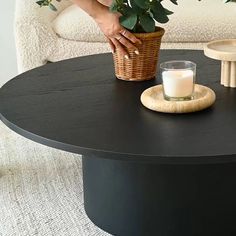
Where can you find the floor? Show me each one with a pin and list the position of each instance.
(40, 190)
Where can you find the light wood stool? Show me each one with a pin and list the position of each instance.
(225, 51)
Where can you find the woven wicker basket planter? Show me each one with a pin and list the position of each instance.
(143, 66)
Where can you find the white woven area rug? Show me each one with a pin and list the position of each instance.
(40, 190)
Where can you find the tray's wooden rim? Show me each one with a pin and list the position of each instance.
(219, 55)
(203, 103)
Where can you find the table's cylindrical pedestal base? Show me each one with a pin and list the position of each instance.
(136, 199)
(228, 74)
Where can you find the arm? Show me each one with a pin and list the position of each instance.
(118, 37)
(105, 2)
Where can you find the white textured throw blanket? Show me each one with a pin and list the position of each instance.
(40, 190)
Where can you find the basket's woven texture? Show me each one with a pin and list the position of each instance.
(143, 66)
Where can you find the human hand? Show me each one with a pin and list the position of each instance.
(118, 37)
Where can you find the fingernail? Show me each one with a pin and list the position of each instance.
(136, 52)
(126, 57)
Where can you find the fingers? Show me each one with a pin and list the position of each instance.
(128, 44)
(112, 46)
(130, 36)
(120, 48)
(124, 40)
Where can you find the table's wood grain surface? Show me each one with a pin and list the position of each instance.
(79, 106)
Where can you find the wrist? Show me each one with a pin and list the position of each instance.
(94, 8)
(98, 10)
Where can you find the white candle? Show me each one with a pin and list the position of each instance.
(178, 83)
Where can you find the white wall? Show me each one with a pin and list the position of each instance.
(8, 66)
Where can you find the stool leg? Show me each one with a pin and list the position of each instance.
(226, 73)
(222, 80)
(233, 75)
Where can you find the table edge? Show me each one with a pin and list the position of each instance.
(168, 160)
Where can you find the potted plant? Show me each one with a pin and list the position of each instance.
(139, 17)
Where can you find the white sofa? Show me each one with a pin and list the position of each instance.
(43, 35)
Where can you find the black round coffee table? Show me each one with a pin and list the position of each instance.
(145, 173)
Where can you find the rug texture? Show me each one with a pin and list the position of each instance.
(40, 190)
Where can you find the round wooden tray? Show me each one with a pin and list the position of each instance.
(153, 99)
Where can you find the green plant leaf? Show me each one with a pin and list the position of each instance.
(147, 23)
(127, 10)
(128, 21)
(114, 7)
(43, 3)
(136, 8)
(174, 1)
(168, 12)
(142, 4)
(40, 3)
(52, 7)
(159, 12)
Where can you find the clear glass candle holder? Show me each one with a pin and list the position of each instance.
(178, 78)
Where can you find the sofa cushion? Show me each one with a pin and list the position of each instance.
(193, 21)
(201, 21)
(74, 24)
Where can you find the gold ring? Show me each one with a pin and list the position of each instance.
(124, 32)
(118, 38)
